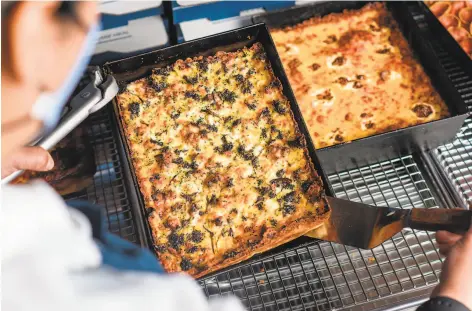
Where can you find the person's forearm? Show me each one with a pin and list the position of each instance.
(442, 304)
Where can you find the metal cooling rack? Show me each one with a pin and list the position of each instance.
(328, 276)
(324, 276)
(319, 276)
(455, 160)
(108, 189)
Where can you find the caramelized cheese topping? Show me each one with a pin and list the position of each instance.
(220, 161)
(343, 66)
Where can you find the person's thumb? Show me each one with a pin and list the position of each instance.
(28, 158)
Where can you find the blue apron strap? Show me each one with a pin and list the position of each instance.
(116, 252)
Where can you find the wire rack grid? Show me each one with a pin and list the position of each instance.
(328, 276)
(108, 189)
(455, 159)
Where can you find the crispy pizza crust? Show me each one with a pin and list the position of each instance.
(270, 241)
(220, 161)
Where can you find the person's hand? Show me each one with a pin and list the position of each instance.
(456, 273)
(27, 158)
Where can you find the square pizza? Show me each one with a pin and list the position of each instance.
(222, 166)
(354, 75)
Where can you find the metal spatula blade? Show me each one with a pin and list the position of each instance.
(365, 226)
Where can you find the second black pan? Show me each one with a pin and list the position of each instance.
(396, 143)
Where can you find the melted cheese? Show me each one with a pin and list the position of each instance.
(218, 157)
(368, 68)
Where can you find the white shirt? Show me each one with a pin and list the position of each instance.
(50, 262)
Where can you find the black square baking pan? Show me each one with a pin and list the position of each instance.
(395, 143)
(449, 13)
(133, 68)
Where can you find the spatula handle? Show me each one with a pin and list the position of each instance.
(434, 219)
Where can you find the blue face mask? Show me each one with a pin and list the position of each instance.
(49, 105)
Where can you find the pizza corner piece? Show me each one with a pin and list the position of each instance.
(221, 164)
